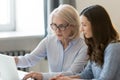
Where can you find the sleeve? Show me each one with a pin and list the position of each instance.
(32, 58)
(111, 62)
(87, 72)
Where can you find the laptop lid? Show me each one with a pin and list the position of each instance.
(8, 69)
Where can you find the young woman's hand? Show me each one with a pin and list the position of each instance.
(61, 77)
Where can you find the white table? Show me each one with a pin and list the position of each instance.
(21, 74)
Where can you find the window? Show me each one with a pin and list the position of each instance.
(30, 16)
(26, 16)
(7, 19)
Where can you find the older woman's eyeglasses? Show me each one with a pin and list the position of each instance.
(61, 27)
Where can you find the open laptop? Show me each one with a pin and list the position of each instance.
(8, 69)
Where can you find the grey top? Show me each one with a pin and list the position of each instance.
(111, 66)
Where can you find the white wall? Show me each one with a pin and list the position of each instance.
(112, 7)
(19, 43)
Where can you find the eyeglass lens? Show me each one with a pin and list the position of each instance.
(60, 27)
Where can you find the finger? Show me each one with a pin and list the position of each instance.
(54, 78)
(16, 59)
(36, 75)
(33, 75)
(60, 75)
(27, 76)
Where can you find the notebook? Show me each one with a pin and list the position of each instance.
(8, 69)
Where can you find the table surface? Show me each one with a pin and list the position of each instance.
(21, 74)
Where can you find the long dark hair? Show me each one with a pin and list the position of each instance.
(102, 30)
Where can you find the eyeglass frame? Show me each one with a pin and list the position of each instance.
(61, 27)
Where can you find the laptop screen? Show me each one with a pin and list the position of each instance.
(8, 69)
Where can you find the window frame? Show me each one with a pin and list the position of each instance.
(10, 26)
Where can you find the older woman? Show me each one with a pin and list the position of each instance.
(65, 50)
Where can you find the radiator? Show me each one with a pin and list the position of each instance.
(17, 53)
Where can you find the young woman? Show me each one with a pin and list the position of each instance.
(65, 50)
(103, 46)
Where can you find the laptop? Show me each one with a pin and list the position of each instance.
(8, 69)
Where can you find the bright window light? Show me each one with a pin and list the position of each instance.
(4, 12)
(24, 16)
(30, 16)
(7, 17)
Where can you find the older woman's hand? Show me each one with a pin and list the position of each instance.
(16, 59)
(33, 75)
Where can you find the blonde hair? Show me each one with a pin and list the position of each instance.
(69, 14)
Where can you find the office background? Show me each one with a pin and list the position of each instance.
(29, 42)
